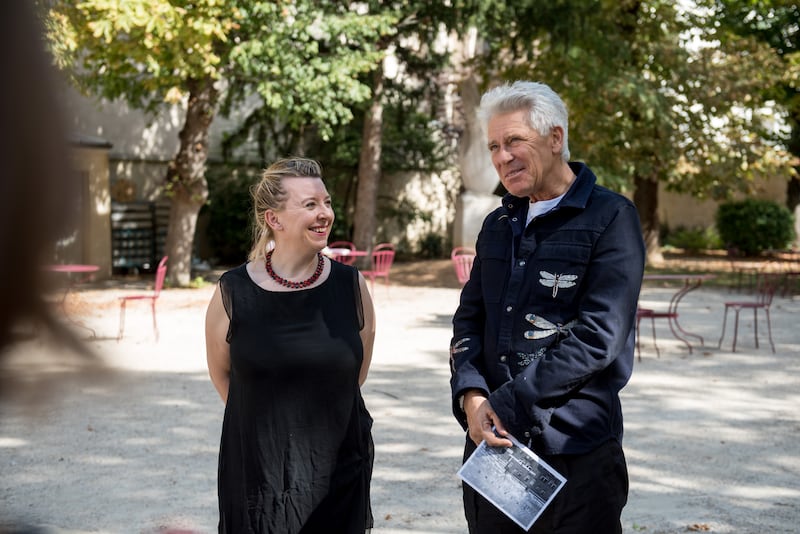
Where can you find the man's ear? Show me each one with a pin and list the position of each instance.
(556, 139)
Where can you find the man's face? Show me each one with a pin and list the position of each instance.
(525, 161)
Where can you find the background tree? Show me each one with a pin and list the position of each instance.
(418, 63)
(302, 59)
(655, 96)
(394, 130)
(776, 23)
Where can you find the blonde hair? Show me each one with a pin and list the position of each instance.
(269, 194)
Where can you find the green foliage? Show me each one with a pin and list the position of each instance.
(752, 226)
(655, 91)
(305, 66)
(432, 246)
(693, 239)
(229, 212)
(303, 60)
(411, 142)
(198, 282)
(144, 52)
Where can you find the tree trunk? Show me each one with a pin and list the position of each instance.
(645, 196)
(369, 169)
(186, 180)
(793, 193)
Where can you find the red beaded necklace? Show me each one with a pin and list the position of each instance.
(288, 283)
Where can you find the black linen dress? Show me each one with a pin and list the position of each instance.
(296, 449)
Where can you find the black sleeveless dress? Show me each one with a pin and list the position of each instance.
(296, 449)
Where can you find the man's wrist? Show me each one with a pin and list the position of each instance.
(468, 393)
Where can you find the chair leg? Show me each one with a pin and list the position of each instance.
(655, 343)
(121, 320)
(155, 325)
(755, 324)
(638, 338)
(724, 320)
(735, 329)
(769, 331)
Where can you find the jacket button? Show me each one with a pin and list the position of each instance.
(514, 219)
(503, 358)
(522, 263)
(527, 434)
(509, 308)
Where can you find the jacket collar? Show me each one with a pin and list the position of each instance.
(577, 196)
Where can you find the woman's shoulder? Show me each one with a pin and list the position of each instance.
(234, 273)
(341, 271)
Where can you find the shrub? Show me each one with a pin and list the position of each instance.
(229, 230)
(693, 239)
(753, 226)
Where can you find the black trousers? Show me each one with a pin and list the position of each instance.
(590, 502)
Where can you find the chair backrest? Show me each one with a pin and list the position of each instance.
(340, 251)
(459, 251)
(342, 244)
(462, 264)
(383, 246)
(382, 260)
(161, 273)
(767, 285)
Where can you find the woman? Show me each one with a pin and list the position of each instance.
(289, 339)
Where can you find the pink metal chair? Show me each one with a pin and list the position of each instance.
(766, 284)
(347, 259)
(647, 313)
(462, 258)
(161, 272)
(382, 259)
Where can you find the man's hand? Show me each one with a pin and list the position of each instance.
(480, 420)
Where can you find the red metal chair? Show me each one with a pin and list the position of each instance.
(161, 272)
(766, 284)
(671, 315)
(462, 258)
(382, 259)
(648, 313)
(345, 258)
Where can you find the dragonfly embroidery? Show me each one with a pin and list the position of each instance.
(557, 281)
(457, 346)
(546, 327)
(525, 358)
(455, 349)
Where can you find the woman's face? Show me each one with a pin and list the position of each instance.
(307, 215)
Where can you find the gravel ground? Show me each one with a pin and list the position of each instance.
(711, 438)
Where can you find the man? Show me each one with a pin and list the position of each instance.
(543, 337)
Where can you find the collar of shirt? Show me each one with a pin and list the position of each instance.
(541, 207)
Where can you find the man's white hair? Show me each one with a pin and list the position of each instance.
(545, 108)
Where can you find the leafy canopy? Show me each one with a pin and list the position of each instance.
(303, 59)
(655, 90)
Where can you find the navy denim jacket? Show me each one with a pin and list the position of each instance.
(545, 325)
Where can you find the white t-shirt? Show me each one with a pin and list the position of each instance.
(541, 207)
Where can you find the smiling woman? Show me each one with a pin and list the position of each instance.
(289, 340)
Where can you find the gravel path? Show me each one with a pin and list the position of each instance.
(711, 439)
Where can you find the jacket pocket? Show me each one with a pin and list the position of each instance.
(494, 261)
(559, 269)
